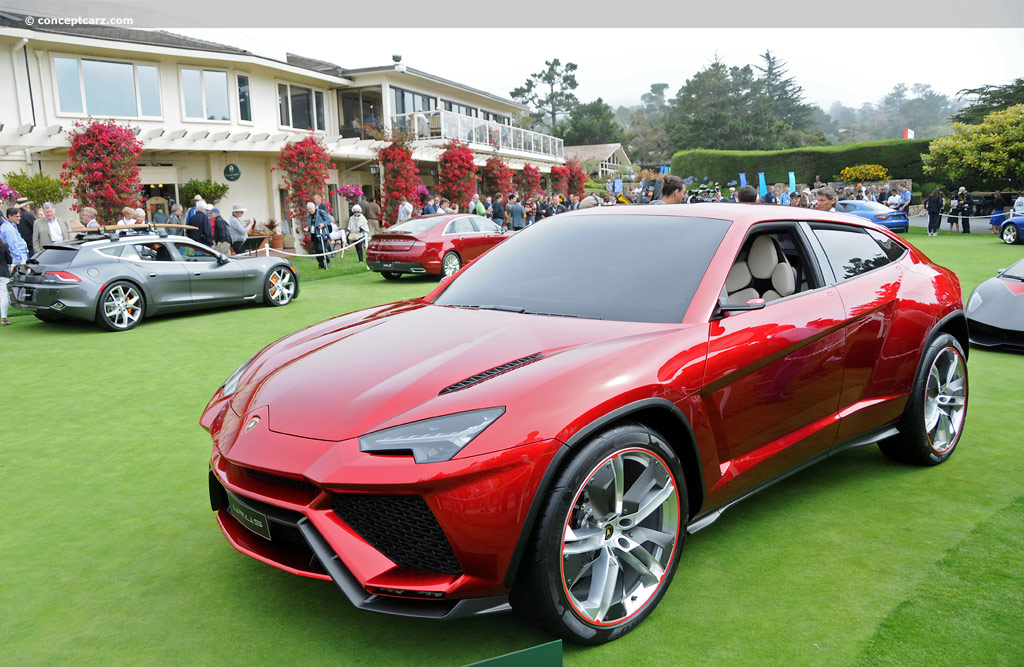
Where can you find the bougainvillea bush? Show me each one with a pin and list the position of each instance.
(497, 176)
(576, 179)
(400, 177)
(529, 181)
(559, 180)
(303, 166)
(456, 174)
(102, 168)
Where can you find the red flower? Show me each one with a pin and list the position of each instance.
(101, 168)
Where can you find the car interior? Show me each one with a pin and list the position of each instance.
(772, 265)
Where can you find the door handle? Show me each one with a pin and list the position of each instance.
(197, 273)
(152, 275)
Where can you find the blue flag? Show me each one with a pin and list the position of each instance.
(617, 186)
(762, 187)
(743, 179)
(792, 182)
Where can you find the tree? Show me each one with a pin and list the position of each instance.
(577, 179)
(304, 165)
(989, 154)
(456, 174)
(38, 187)
(988, 99)
(549, 92)
(497, 176)
(102, 168)
(591, 123)
(559, 180)
(781, 96)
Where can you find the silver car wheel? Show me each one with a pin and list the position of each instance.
(945, 401)
(122, 306)
(281, 286)
(620, 536)
(1010, 232)
(451, 264)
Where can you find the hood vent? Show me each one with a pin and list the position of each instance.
(488, 374)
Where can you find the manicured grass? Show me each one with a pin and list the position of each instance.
(111, 555)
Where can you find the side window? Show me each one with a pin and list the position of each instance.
(112, 251)
(851, 251)
(150, 252)
(460, 226)
(191, 253)
(772, 265)
(892, 248)
(484, 225)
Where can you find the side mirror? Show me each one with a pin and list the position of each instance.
(752, 304)
(222, 259)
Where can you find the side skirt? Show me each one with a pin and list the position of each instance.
(707, 518)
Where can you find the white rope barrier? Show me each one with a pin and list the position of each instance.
(1007, 216)
(267, 250)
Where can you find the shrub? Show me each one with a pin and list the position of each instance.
(456, 174)
(102, 168)
(529, 181)
(400, 177)
(902, 157)
(38, 187)
(864, 172)
(576, 178)
(559, 179)
(497, 176)
(210, 191)
(304, 165)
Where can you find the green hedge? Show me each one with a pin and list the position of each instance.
(902, 157)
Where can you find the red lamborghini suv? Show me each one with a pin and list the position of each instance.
(541, 431)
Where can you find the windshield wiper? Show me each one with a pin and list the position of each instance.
(507, 309)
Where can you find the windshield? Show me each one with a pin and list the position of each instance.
(414, 226)
(630, 268)
(1015, 271)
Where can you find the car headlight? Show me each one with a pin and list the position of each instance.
(231, 384)
(975, 302)
(431, 440)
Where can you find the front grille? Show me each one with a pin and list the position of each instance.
(493, 372)
(283, 481)
(402, 528)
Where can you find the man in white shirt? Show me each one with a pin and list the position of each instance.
(826, 199)
(404, 210)
(49, 229)
(1018, 205)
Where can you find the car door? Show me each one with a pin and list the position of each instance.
(166, 280)
(868, 281)
(464, 238)
(773, 376)
(211, 281)
(490, 233)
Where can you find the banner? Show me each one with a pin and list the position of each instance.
(617, 186)
(743, 179)
(663, 170)
(762, 187)
(908, 133)
(792, 182)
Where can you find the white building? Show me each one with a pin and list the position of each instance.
(200, 108)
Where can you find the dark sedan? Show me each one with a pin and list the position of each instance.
(433, 244)
(117, 280)
(878, 213)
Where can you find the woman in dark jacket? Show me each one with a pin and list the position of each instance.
(934, 207)
(998, 212)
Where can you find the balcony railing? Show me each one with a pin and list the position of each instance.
(450, 125)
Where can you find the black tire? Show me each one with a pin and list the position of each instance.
(582, 503)
(937, 408)
(280, 286)
(450, 264)
(121, 306)
(1010, 234)
(47, 316)
(391, 275)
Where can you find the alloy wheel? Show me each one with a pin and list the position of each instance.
(945, 401)
(620, 537)
(451, 264)
(122, 306)
(281, 286)
(1010, 234)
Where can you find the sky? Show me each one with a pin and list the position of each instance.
(852, 66)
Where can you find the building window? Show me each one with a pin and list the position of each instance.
(107, 88)
(461, 109)
(406, 101)
(244, 99)
(300, 107)
(205, 92)
(496, 117)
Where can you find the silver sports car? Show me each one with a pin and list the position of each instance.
(116, 281)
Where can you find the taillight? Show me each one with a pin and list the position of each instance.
(883, 217)
(64, 276)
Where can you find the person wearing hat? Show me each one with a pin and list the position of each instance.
(358, 230)
(196, 201)
(966, 207)
(238, 228)
(26, 222)
(198, 219)
(220, 230)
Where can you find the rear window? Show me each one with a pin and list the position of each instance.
(414, 226)
(56, 256)
(628, 268)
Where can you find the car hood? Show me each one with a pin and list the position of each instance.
(367, 371)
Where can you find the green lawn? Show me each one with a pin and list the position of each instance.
(110, 554)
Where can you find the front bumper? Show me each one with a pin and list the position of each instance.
(986, 335)
(476, 505)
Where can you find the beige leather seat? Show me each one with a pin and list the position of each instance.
(765, 261)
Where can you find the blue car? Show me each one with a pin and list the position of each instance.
(879, 213)
(1010, 231)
